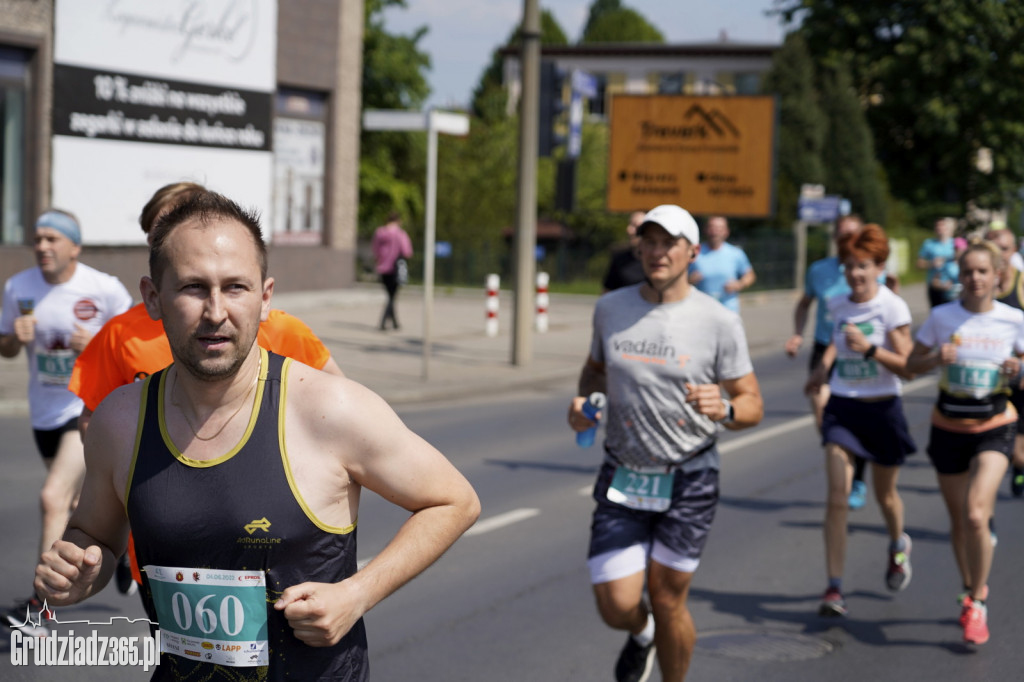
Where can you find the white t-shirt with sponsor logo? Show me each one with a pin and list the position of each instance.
(88, 299)
(855, 376)
(650, 351)
(983, 341)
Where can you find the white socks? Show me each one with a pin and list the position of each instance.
(646, 636)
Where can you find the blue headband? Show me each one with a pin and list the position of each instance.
(61, 222)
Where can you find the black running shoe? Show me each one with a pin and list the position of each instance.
(28, 616)
(123, 576)
(635, 662)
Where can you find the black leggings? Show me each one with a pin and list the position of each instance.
(390, 282)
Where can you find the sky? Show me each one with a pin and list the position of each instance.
(463, 33)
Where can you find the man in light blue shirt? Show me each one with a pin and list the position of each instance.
(721, 270)
(934, 254)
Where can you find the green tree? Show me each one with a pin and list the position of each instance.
(623, 25)
(801, 125)
(392, 165)
(940, 81)
(848, 154)
(489, 96)
(597, 9)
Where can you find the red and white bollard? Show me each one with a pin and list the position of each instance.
(541, 321)
(491, 327)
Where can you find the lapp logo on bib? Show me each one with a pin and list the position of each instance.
(866, 328)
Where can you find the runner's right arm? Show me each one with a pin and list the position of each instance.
(81, 563)
(803, 307)
(592, 378)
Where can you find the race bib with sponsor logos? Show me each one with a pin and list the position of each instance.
(974, 379)
(54, 366)
(212, 615)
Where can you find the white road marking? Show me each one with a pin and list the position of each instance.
(501, 520)
(485, 526)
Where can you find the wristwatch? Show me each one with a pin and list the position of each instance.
(870, 352)
(730, 412)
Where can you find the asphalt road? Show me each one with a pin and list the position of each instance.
(511, 601)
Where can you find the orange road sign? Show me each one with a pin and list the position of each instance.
(708, 154)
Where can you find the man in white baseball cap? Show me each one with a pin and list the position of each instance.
(662, 352)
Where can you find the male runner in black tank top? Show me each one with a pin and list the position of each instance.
(287, 445)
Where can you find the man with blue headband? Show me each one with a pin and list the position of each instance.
(52, 310)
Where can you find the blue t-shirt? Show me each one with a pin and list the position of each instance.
(724, 264)
(932, 249)
(824, 280)
(950, 273)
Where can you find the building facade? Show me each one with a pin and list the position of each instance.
(101, 103)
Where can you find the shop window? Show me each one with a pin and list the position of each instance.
(300, 144)
(13, 95)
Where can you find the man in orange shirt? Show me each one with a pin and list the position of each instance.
(132, 345)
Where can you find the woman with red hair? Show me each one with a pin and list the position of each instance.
(864, 415)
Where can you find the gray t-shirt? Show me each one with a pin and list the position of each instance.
(650, 351)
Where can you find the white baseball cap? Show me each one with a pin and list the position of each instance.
(673, 219)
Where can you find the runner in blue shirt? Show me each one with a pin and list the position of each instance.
(721, 269)
(934, 254)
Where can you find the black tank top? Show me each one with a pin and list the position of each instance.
(240, 512)
(1015, 295)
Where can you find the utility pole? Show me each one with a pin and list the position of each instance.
(526, 219)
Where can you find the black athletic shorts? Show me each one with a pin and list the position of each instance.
(951, 452)
(682, 528)
(48, 440)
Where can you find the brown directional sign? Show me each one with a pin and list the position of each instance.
(710, 155)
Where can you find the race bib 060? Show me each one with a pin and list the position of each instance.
(212, 615)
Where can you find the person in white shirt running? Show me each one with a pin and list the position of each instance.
(864, 415)
(977, 343)
(52, 310)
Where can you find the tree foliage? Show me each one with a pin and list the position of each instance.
(392, 165)
(599, 8)
(623, 25)
(489, 96)
(848, 154)
(940, 80)
(801, 125)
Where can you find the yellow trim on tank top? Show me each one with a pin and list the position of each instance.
(143, 401)
(338, 530)
(205, 464)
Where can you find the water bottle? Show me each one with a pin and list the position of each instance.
(595, 402)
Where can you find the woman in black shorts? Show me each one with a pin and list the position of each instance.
(977, 343)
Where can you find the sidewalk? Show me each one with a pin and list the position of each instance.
(463, 362)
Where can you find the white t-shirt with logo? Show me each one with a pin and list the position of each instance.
(855, 376)
(88, 299)
(983, 341)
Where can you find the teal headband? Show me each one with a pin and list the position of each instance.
(61, 222)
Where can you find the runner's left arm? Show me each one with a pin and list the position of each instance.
(392, 461)
(744, 394)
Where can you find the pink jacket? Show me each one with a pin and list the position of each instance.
(390, 242)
